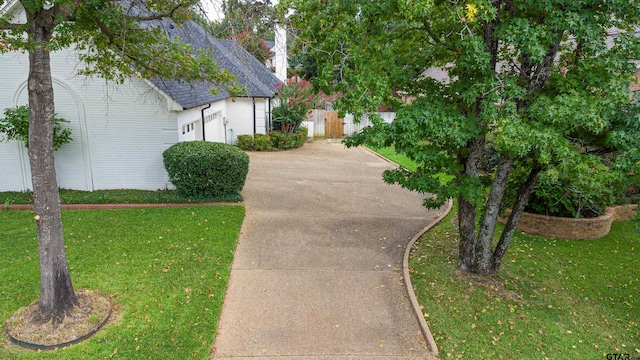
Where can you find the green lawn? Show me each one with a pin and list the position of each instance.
(552, 299)
(166, 270)
(399, 159)
(405, 162)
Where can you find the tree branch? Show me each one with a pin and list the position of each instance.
(543, 70)
(10, 26)
(428, 29)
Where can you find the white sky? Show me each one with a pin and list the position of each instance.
(213, 8)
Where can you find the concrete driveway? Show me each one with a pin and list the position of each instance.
(317, 272)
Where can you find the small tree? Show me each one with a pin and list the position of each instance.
(15, 126)
(296, 100)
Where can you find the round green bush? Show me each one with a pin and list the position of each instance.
(206, 169)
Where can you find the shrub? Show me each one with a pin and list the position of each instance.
(287, 141)
(15, 125)
(296, 100)
(206, 169)
(261, 142)
(304, 131)
(584, 192)
(274, 140)
(245, 142)
(277, 139)
(294, 141)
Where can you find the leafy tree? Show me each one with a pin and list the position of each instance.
(546, 83)
(296, 99)
(252, 42)
(243, 15)
(303, 64)
(249, 22)
(116, 40)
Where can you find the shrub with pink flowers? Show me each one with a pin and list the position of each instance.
(296, 101)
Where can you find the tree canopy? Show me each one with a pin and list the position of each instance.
(543, 84)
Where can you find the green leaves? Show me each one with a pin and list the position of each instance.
(545, 84)
(15, 126)
(206, 169)
(296, 100)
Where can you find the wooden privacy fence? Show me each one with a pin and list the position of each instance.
(328, 124)
(333, 125)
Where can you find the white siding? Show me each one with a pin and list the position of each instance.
(119, 132)
(214, 126)
(186, 118)
(241, 121)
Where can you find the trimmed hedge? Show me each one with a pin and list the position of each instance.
(274, 140)
(206, 169)
(245, 142)
(261, 142)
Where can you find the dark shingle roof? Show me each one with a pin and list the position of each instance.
(250, 72)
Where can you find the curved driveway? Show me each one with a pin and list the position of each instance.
(317, 271)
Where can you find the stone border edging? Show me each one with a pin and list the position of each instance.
(119, 206)
(426, 333)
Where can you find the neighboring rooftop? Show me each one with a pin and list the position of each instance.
(250, 72)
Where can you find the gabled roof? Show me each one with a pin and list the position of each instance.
(250, 72)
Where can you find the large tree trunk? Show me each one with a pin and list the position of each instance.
(518, 207)
(57, 297)
(467, 209)
(484, 245)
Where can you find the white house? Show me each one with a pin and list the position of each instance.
(120, 131)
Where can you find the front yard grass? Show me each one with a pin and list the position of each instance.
(166, 270)
(404, 161)
(551, 299)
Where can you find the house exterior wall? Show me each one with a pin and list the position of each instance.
(119, 131)
(240, 112)
(214, 126)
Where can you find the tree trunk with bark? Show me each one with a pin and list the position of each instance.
(484, 245)
(57, 297)
(518, 207)
(467, 209)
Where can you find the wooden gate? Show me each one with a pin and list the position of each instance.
(333, 126)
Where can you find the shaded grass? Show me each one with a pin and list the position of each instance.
(551, 299)
(120, 196)
(399, 159)
(165, 269)
(403, 161)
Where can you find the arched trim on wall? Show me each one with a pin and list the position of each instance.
(82, 118)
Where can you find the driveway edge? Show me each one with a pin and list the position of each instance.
(424, 327)
(428, 337)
